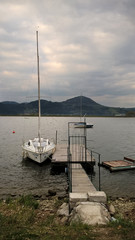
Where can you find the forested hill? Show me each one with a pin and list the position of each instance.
(75, 106)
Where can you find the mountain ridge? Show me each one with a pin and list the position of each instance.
(74, 106)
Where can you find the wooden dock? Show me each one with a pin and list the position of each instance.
(75, 157)
(61, 155)
(81, 188)
(119, 165)
(79, 179)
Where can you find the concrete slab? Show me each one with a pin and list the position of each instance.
(97, 196)
(77, 197)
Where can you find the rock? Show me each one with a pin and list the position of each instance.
(51, 192)
(43, 197)
(90, 213)
(64, 220)
(111, 209)
(121, 199)
(63, 211)
(36, 196)
(62, 195)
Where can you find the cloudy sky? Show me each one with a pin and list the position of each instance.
(86, 47)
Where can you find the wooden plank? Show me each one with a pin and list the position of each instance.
(79, 150)
(80, 181)
(60, 154)
(117, 165)
(129, 159)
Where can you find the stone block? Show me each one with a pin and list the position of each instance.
(97, 196)
(77, 197)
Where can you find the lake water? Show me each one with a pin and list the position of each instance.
(113, 138)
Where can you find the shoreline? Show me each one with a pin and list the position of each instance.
(29, 218)
(73, 116)
(61, 195)
(44, 193)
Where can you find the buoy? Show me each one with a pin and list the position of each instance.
(13, 132)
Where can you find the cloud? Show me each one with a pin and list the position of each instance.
(86, 47)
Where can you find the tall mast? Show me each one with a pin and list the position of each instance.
(39, 107)
(81, 108)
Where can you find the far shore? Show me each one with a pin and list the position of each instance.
(73, 116)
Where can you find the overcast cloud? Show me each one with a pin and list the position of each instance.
(86, 48)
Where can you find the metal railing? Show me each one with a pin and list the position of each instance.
(77, 152)
(93, 153)
(99, 165)
(77, 147)
(69, 169)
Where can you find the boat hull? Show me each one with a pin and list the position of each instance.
(83, 125)
(38, 157)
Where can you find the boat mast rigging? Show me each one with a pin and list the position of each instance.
(33, 148)
(39, 105)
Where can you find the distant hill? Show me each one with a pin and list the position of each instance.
(74, 106)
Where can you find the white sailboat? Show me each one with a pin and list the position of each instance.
(38, 149)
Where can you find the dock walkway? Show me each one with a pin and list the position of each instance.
(84, 199)
(81, 188)
(80, 181)
(61, 155)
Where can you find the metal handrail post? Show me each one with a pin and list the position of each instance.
(70, 173)
(56, 137)
(99, 173)
(91, 156)
(69, 169)
(85, 149)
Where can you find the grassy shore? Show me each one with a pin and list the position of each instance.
(26, 218)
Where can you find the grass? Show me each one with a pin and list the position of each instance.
(28, 201)
(124, 228)
(13, 228)
(25, 219)
(28, 219)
